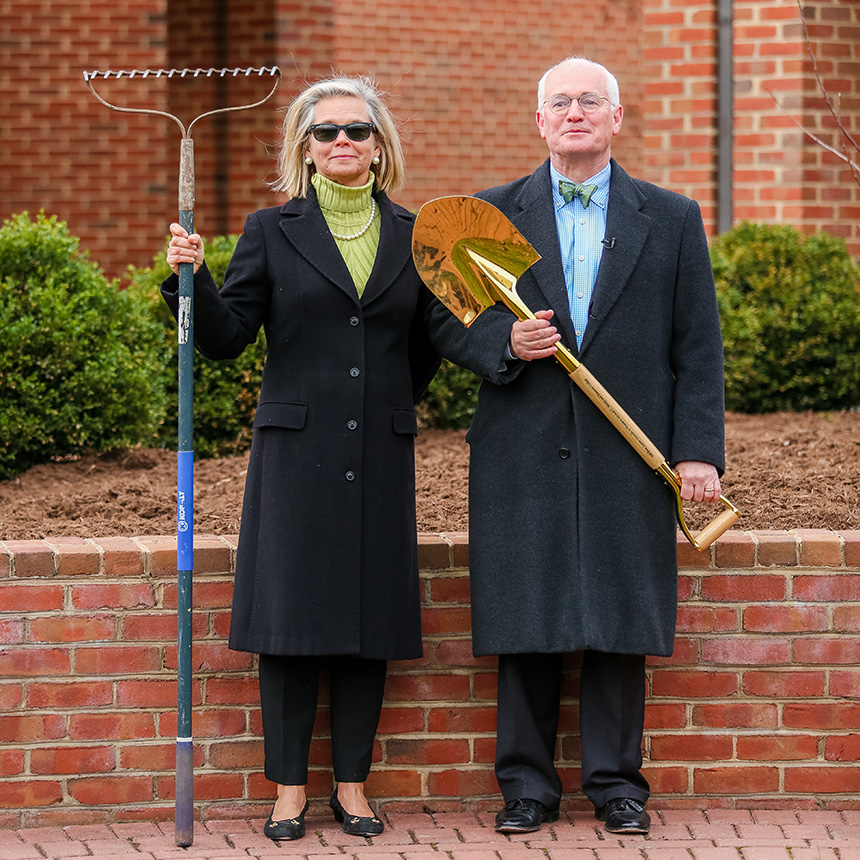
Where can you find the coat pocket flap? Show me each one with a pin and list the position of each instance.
(291, 416)
(404, 421)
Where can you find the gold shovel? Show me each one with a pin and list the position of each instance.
(470, 256)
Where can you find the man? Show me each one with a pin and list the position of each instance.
(572, 544)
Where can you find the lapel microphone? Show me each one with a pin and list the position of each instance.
(608, 243)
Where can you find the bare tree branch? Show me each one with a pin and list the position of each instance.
(833, 112)
(855, 168)
(844, 136)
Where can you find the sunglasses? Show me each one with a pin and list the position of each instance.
(326, 132)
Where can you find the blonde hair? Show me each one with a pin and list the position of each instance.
(294, 175)
(612, 91)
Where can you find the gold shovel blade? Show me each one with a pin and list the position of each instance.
(445, 230)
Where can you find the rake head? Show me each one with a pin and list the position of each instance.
(272, 72)
(182, 73)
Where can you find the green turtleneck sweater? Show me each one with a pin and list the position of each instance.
(346, 211)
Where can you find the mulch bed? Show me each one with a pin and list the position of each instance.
(785, 471)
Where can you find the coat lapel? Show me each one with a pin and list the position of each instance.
(537, 222)
(306, 229)
(395, 249)
(626, 224)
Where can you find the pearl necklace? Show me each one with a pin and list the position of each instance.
(363, 230)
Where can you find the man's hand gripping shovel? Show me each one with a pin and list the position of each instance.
(471, 256)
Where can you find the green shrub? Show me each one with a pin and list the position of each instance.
(790, 311)
(77, 354)
(225, 392)
(451, 398)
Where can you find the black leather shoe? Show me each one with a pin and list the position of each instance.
(355, 825)
(290, 828)
(624, 815)
(524, 815)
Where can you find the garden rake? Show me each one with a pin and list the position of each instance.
(184, 799)
(470, 256)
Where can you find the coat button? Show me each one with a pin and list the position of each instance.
(352, 424)
(354, 320)
(564, 453)
(354, 371)
(350, 476)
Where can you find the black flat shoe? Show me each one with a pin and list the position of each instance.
(524, 815)
(355, 825)
(290, 828)
(624, 815)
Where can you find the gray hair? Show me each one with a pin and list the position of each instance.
(294, 174)
(612, 91)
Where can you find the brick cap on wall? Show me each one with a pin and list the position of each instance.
(155, 555)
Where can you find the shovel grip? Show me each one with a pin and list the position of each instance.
(717, 526)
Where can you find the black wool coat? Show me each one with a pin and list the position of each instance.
(327, 556)
(572, 535)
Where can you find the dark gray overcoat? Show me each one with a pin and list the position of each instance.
(327, 556)
(572, 535)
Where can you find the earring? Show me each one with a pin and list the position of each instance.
(308, 160)
(375, 159)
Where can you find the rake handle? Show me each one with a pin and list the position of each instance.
(184, 806)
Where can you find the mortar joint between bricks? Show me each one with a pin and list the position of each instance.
(146, 559)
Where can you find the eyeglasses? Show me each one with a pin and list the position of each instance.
(589, 102)
(326, 132)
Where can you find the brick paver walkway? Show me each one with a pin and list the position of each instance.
(675, 835)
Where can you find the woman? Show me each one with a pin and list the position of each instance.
(327, 557)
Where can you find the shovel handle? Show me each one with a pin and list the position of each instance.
(619, 419)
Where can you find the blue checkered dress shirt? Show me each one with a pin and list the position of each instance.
(580, 233)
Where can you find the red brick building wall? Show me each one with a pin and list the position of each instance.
(759, 706)
(461, 78)
(107, 174)
(781, 176)
(464, 79)
(680, 105)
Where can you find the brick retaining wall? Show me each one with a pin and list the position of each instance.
(758, 707)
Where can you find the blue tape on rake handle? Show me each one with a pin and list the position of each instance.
(184, 510)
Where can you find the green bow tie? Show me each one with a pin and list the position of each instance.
(569, 190)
